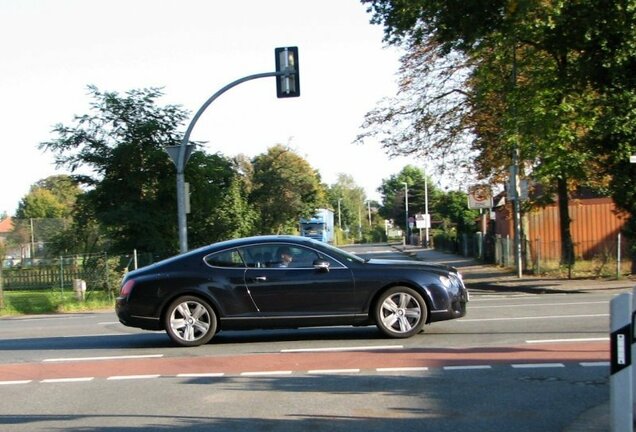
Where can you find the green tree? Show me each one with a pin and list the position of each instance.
(218, 196)
(447, 209)
(83, 235)
(52, 197)
(541, 47)
(285, 188)
(452, 209)
(40, 203)
(393, 194)
(121, 143)
(351, 198)
(131, 195)
(45, 211)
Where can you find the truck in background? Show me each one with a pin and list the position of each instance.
(319, 227)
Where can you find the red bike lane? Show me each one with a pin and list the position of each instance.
(306, 362)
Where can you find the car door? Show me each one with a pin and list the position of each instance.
(298, 288)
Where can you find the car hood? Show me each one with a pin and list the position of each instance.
(411, 264)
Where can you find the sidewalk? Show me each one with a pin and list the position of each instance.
(490, 278)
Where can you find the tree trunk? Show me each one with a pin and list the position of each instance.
(567, 246)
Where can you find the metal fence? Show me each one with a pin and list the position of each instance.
(608, 257)
(99, 271)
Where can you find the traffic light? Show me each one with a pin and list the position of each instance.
(288, 83)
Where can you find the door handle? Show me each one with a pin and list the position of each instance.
(260, 278)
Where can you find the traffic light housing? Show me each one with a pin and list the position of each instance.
(288, 82)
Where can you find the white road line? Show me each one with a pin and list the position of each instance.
(201, 375)
(539, 304)
(537, 365)
(126, 357)
(254, 374)
(131, 377)
(15, 382)
(402, 369)
(540, 341)
(67, 380)
(265, 373)
(94, 335)
(468, 367)
(462, 320)
(595, 364)
(486, 298)
(338, 349)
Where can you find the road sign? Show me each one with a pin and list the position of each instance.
(479, 197)
(423, 220)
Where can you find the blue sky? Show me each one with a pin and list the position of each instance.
(52, 50)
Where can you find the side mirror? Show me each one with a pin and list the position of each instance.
(321, 265)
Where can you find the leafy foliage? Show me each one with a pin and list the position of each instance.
(119, 149)
(52, 197)
(285, 188)
(545, 79)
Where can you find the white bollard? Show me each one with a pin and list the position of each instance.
(79, 286)
(621, 405)
(633, 343)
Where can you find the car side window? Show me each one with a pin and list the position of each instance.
(257, 256)
(282, 255)
(301, 257)
(227, 258)
(279, 255)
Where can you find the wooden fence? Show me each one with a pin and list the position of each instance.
(40, 278)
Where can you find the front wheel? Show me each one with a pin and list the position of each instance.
(190, 321)
(400, 312)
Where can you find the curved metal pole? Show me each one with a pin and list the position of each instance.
(181, 160)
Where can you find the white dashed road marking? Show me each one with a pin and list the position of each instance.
(255, 374)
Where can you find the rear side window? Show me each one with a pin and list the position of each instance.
(227, 258)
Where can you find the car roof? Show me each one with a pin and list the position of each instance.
(226, 244)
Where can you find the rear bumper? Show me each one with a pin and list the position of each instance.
(128, 319)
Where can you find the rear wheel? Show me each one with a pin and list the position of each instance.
(190, 321)
(400, 312)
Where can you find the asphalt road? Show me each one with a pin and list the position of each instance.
(517, 361)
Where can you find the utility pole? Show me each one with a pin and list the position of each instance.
(406, 211)
(514, 183)
(427, 217)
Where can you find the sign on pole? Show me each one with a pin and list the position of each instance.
(479, 197)
(422, 220)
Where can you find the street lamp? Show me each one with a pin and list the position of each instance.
(406, 211)
(287, 85)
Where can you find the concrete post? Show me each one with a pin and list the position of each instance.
(621, 378)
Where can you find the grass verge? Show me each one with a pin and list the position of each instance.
(43, 302)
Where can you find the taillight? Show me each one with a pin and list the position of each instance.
(127, 288)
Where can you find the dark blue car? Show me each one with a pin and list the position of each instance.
(286, 282)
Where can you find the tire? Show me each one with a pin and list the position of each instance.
(190, 321)
(400, 312)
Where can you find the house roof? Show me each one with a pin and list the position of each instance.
(6, 225)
